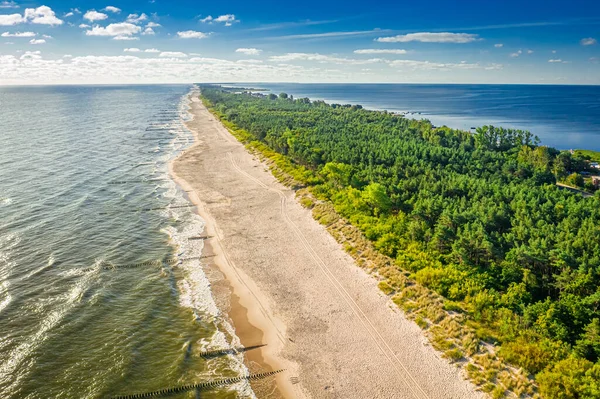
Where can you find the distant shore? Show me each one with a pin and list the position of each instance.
(558, 118)
(294, 288)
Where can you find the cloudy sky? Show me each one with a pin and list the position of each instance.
(160, 41)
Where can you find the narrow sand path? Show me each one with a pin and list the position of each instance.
(323, 318)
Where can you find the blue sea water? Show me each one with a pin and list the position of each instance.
(563, 117)
(85, 195)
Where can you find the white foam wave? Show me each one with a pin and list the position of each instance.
(74, 272)
(7, 242)
(62, 305)
(48, 265)
(5, 297)
(194, 286)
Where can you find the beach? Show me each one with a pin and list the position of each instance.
(293, 287)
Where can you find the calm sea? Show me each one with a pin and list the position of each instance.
(84, 198)
(564, 117)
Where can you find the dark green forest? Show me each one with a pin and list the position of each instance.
(474, 216)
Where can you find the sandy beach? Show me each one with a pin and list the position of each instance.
(294, 288)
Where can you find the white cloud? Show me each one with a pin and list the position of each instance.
(9, 4)
(19, 34)
(227, 19)
(428, 65)
(136, 19)
(249, 51)
(116, 10)
(132, 50)
(47, 36)
(380, 51)
(128, 68)
(529, 51)
(153, 25)
(172, 54)
(148, 31)
(72, 12)
(33, 69)
(42, 15)
(555, 60)
(429, 37)
(516, 54)
(498, 45)
(83, 26)
(588, 41)
(31, 55)
(121, 29)
(151, 50)
(11, 19)
(250, 61)
(494, 66)
(93, 15)
(67, 56)
(124, 37)
(192, 34)
(330, 34)
(321, 58)
(37, 41)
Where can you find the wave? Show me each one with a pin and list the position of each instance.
(18, 355)
(194, 287)
(73, 222)
(7, 242)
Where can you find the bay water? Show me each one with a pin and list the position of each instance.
(564, 117)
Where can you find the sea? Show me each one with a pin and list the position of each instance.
(563, 117)
(102, 289)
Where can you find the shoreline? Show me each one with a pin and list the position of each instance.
(250, 325)
(324, 318)
(538, 127)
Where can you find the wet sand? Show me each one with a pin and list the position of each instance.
(295, 289)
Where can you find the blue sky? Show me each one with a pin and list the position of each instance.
(159, 41)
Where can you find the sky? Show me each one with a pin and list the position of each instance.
(427, 41)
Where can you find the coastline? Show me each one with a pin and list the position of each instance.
(324, 319)
(250, 324)
(563, 133)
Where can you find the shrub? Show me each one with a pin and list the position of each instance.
(533, 354)
(570, 378)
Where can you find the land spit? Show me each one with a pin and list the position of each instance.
(294, 288)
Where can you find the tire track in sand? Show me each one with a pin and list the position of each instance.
(377, 338)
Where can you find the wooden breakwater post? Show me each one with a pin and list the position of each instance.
(201, 386)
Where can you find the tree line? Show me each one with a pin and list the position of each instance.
(476, 217)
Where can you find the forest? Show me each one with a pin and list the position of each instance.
(474, 216)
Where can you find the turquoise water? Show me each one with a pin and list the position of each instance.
(562, 116)
(84, 191)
